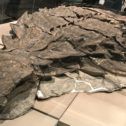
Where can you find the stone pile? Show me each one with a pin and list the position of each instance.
(61, 50)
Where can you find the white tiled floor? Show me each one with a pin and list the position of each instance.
(32, 118)
(55, 106)
(100, 109)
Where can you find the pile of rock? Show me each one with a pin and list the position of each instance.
(61, 50)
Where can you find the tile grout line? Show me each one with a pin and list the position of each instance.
(45, 113)
(68, 106)
(54, 116)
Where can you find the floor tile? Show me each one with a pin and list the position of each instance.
(32, 118)
(100, 109)
(5, 28)
(55, 106)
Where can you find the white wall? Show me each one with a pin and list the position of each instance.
(101, 2)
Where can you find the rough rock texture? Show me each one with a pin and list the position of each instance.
(65, 49)
(17, 85)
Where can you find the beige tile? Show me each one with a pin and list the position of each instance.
(100, 109)
(4, 29)
(32, 118)
(55, 106)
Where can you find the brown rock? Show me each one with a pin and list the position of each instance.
(66, 49)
